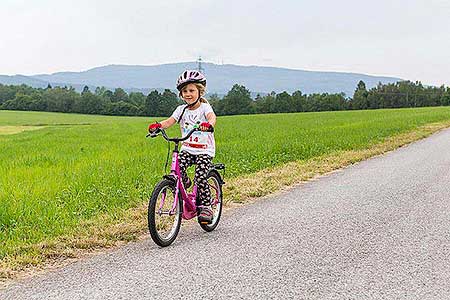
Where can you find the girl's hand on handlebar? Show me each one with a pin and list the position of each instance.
(206, 126)
(154, 127)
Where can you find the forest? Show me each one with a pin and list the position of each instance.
(237, 101)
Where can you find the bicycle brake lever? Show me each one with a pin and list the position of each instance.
(152, 135)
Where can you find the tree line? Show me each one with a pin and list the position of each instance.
(101, 101)
(237, 101)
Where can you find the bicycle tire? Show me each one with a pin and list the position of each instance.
(154, 214)
(217, 210)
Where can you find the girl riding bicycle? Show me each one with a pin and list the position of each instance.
(200, 148)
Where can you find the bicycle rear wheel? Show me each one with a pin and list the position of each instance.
(164, 216)
(215, 188)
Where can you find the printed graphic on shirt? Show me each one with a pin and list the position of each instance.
(198, 139)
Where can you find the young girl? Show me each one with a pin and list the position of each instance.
(199, 149)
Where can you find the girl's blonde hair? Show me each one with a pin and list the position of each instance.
(201, 90)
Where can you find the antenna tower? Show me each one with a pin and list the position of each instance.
(200, 68)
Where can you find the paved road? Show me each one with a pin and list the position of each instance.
(376, 230)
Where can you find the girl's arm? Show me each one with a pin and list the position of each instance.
(211, 117)
(168, 122)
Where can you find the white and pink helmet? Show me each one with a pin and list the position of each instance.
(190, 76)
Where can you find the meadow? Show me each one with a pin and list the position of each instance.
(71, 168)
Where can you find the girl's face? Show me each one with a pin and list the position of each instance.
(190, 93)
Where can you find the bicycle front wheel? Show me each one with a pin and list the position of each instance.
(164, 215)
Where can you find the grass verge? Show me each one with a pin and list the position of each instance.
(105, 231)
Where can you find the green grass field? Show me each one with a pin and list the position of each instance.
(72, 168)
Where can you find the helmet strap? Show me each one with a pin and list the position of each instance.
(187, 106)
(195, 102)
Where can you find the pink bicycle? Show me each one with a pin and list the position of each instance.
(170, 201)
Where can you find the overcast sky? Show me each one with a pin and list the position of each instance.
(409, 39)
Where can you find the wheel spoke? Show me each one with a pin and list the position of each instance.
(216, 204)
(164, 214)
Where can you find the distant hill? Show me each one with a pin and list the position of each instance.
(37, 83)
(220, 78)
(21, 79)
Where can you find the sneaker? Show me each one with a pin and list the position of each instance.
(205, 215)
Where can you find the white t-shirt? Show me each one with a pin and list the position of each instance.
(199, 142)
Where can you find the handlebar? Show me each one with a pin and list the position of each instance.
(176, 139)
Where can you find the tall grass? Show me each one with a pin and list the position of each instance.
(78, 166)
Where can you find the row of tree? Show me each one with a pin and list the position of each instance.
(101, 101)
(237, 101)
(393, 95)
(399, 94)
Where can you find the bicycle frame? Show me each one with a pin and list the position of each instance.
(188, 199)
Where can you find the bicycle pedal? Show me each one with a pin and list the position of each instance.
(204, 223)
